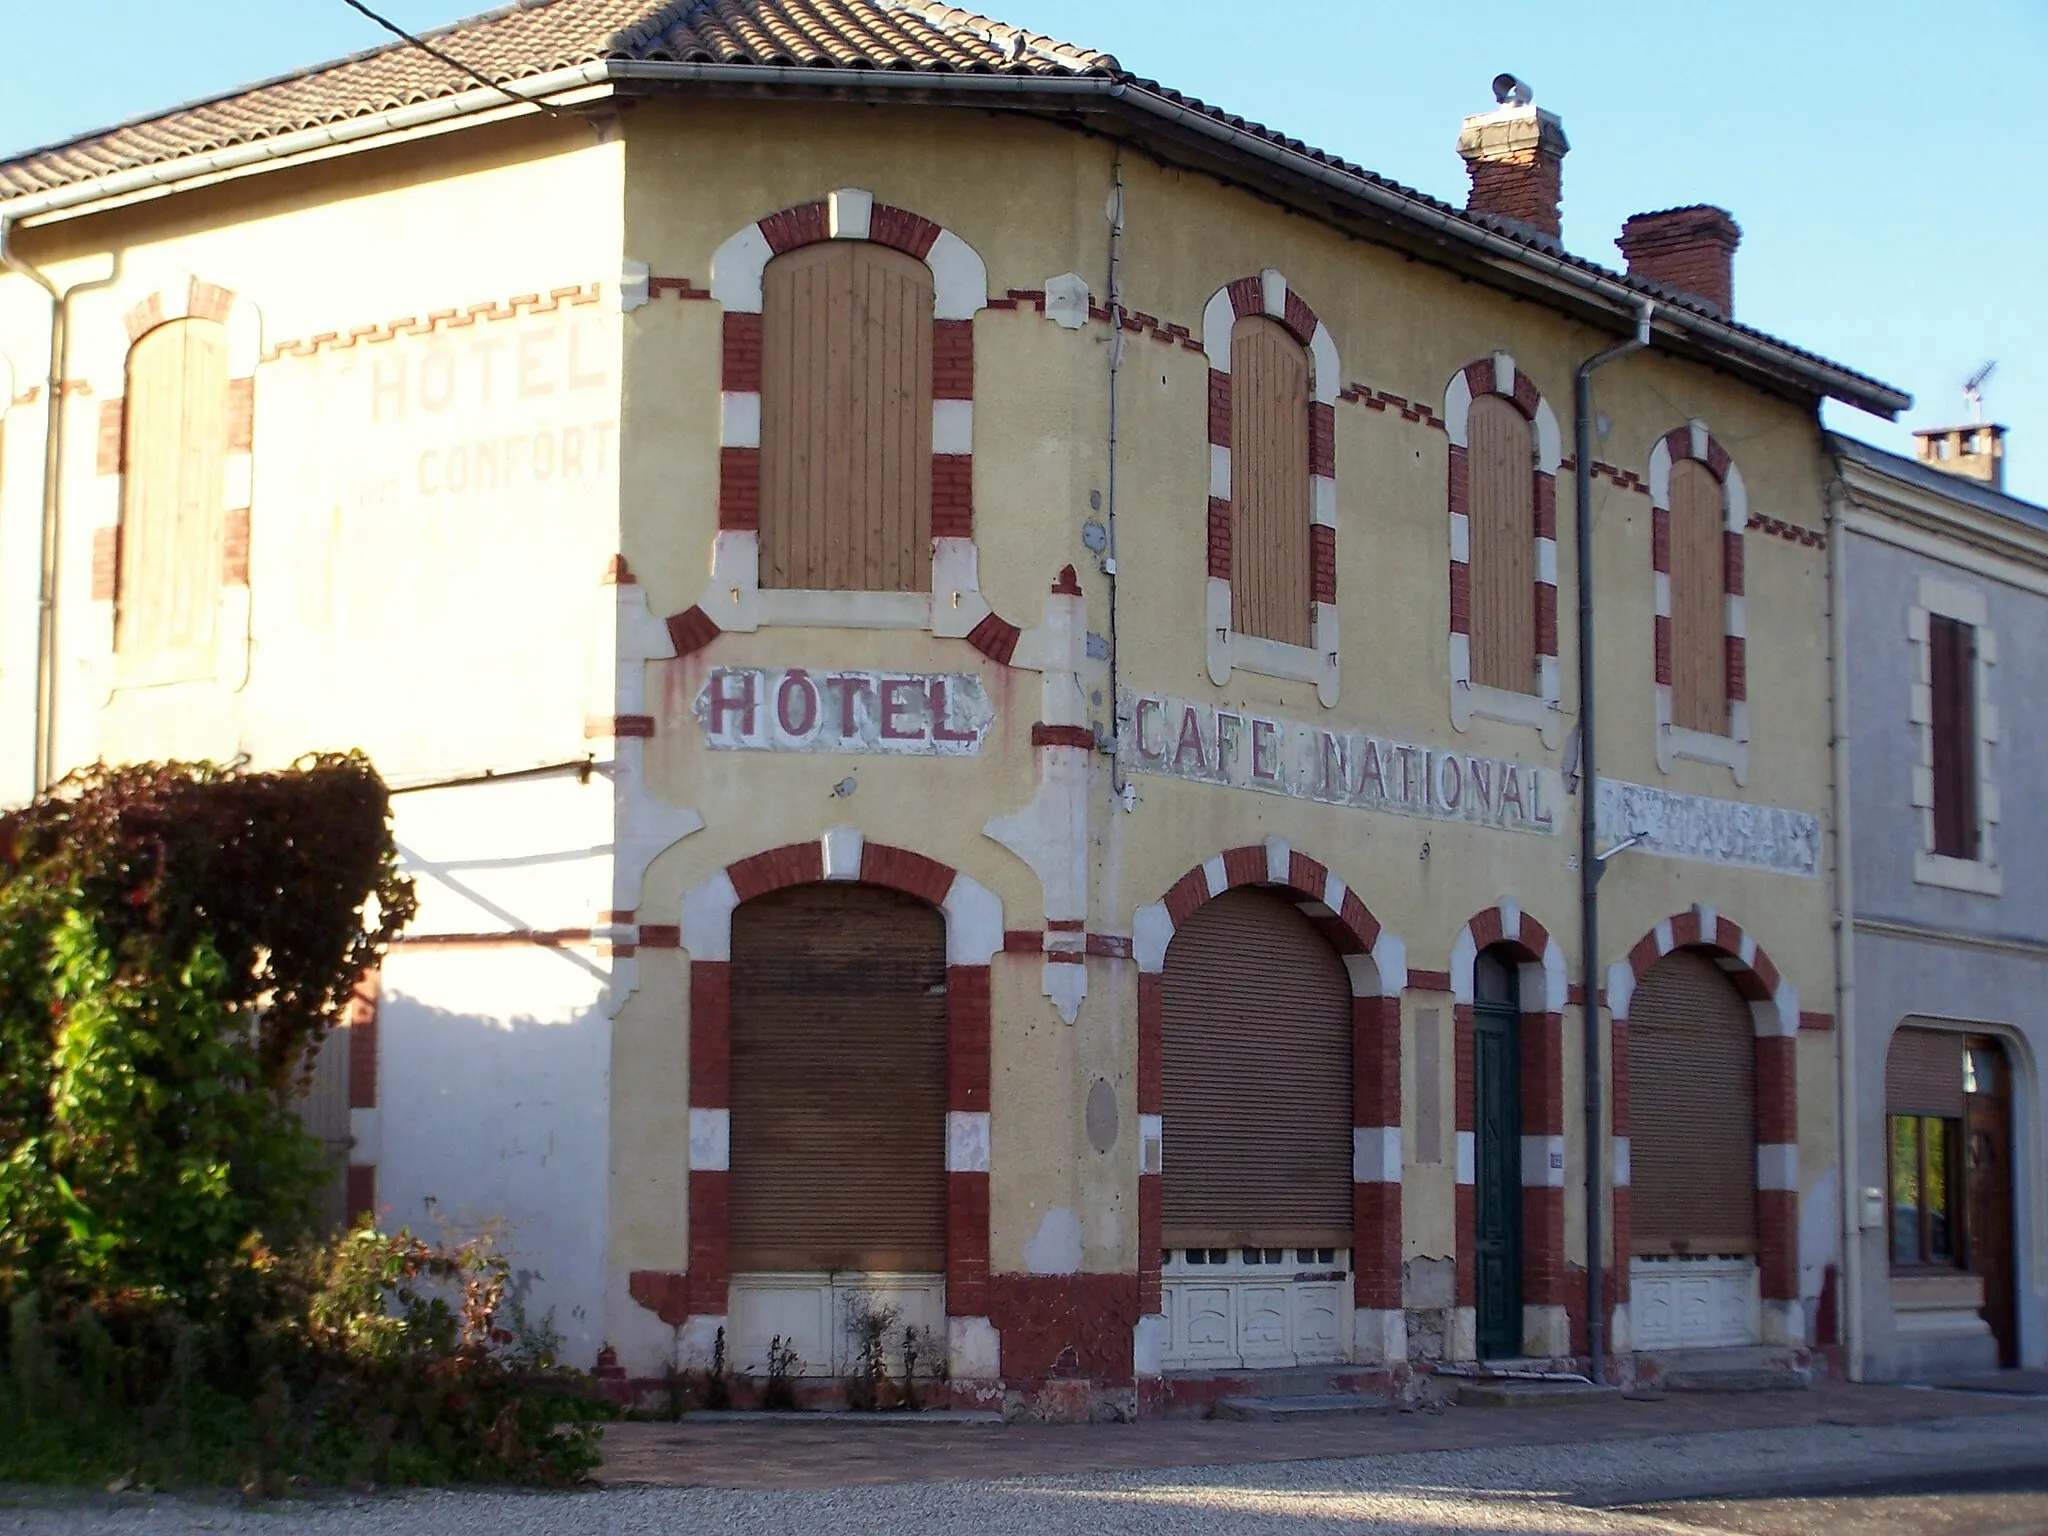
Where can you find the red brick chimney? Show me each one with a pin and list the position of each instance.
(1516, 156)
(1690, 249)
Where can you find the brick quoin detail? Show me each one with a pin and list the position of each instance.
(703, 1289)
(1756, 978)
(360, 1190)
(1351, 929)
(1541, 1040)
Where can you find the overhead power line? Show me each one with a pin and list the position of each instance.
(451, 61)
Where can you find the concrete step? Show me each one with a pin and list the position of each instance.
(1733, 1379)
(1745, 1368)
(1507, 1393)
(1294, 1410)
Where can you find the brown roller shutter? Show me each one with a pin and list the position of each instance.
(1692, 1111)
(1269, 490)
(838, 1082)
(1256, 1062)
(846, 420)
(1923, 1074)
(1699, 620)
(1501, 526)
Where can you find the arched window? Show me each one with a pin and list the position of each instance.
(1698, 512)
(1270, 580)
(1699, 584)
(174, 453)
(846, 419)
(1271, 603)
(1501, 478)
(1500, 457)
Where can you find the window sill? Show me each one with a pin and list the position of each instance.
(1471, 701)
(1231, 651)
(1971, 875)
(1730, 752)
(165, 669)
(844, 610)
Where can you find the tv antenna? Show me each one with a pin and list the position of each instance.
(1973, 389)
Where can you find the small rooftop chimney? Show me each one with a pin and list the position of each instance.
(1690, 249)
(1976, 451)
(1516, 156)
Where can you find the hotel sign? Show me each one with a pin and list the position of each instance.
(834, 709)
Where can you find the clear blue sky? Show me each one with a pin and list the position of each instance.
(1882, 158)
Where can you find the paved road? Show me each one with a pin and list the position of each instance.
(1997, 1503)
(1950, 1477)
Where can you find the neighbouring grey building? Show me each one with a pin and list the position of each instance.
(1945, 647)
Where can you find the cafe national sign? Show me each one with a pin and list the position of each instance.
(1206, 744)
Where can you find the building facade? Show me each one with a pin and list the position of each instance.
(1946, 586)
(971, 656)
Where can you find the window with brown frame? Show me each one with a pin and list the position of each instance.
(1923, 1155)
(1699, 621)
(174, 458)
(846, 420)
(1500, 459)
(1952, 674)
(1270, 590)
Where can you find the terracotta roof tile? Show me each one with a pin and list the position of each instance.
(535, 37)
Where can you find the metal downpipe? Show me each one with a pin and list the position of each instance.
(1589, 857)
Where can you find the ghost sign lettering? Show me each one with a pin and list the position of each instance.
(826, 709)
(1729, 832)
(1208, 745)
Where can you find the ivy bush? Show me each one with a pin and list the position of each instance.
(175, 940)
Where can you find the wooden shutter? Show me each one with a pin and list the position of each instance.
(846, 419)
(176, 476)
(838, 1082)
(1699, 622)
(1952, 671)
(1269, 490)
(1500, 461)
(1256, 1060)
(1923, 1074)
(1692, 1111)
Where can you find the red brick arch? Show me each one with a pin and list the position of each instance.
(1377, 962)
(1774, 1012)
(1505, 925)
(697, 1298)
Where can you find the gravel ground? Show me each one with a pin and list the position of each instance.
(1512, 1489)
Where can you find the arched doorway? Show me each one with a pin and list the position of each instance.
(838, 1093)
(1257, 1167)
(1948, 1171)
(1693, 1230)
(1497, 1162)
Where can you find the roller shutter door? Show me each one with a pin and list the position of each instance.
(1692, 1112)
(838, 1082)
(1923, 1074)
(1256, 1063)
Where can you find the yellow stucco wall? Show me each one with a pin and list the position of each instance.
(1031, 200)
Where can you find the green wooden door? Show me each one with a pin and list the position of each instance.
(1497, 1085)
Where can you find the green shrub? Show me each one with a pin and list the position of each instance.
(174, 942)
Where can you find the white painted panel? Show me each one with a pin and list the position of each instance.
(811, 1312)
(1694, 1303)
